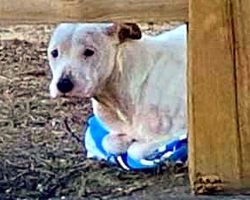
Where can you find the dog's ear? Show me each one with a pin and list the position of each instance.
(125, 31)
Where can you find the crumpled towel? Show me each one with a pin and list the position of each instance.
(174, 151)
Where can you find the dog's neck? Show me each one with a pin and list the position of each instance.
(123, 89)
(131, 88)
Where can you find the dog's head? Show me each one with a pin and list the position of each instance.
(82, 56)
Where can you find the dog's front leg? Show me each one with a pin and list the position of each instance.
(117, 143)
(118, 140)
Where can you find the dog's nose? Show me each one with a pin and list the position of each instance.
(65, 85)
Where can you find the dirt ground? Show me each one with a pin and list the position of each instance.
(41, 151)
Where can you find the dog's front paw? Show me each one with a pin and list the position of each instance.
(116, 144)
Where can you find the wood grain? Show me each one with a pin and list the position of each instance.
(241, 25)
(54, 11)
(214, 142)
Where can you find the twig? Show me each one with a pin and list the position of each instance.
(4, 78)
(34, 73)
(69, 131)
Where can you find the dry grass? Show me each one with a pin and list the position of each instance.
(39, 157)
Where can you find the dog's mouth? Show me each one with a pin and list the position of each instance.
(73, 98)
(67, 95)
(78, 93)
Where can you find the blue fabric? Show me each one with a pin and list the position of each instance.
(174, 151)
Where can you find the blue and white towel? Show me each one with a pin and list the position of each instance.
(174, 151)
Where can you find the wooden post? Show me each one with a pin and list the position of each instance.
(219, 95)
(241, 25)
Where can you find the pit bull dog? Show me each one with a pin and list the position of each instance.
(137, 82)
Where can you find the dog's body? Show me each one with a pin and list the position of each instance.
(138, 85)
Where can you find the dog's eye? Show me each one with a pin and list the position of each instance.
(54, 53)
(88, 52)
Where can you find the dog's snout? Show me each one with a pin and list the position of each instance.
(65, 85)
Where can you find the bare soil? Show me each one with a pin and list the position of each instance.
(41, 150)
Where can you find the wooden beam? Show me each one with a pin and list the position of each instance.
(213, 139)
(219, 93)
(54, 11)
(241, 25)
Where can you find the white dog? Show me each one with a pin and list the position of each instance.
(137, 82)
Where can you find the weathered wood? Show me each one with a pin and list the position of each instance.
(214, 141)
(53, 11)
(241, 25)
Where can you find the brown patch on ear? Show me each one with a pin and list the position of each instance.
(125, 31)
(129, 31)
